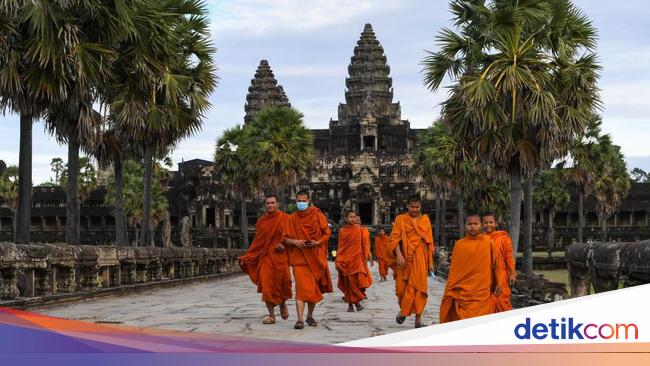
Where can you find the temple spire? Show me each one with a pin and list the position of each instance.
(369, 86)
(264, 92)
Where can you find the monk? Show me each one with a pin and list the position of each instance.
(350, 263)
(473, 281)
(307, 233)
(410, 255)
(381, 242)
(366, 247)
(267, 262)
(502, 244)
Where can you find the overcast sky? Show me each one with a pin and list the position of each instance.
(308, 44)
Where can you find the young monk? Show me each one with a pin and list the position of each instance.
(307, 234)
(267, 262)
(473, 281)
(350, 263)
(381, 242)
(410, 254)
(502, 244)
(366, 247)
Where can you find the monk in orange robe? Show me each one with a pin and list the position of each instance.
(473, 281)
(381, 242)
(350, 263)
(410, 255)
(267, 262)
(502, 244)
(366, 247)
(307, 234)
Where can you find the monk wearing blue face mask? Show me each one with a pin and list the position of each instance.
(306, 235)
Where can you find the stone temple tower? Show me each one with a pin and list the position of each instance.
(264, 92)
(369, 119)
(363, 160)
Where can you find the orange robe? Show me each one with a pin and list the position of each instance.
(503, 244)
(366, 252)
(267, 267)
(310, 270)
(415, 238)
(350, 264)
(473, 274)
(381, 242)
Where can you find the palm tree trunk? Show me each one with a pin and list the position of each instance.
(443, 220)
(581, 215)
(515, 206)
(120, 219)
(551, 233)
(147, 239)
(243, 221)
(24, 210)
(527, 264)
(437, 218)
(461, 216)
(72, 202)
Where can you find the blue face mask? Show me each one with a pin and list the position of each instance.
(302, 206)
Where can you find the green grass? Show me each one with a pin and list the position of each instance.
(543, 254)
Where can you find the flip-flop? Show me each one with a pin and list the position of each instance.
(268, 320)
(399, 318)
(299, 325)
(311, 322)
(284, 312)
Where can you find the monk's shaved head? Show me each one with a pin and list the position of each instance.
(489, 223)
(473, 224)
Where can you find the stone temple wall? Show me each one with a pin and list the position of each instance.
(607, 266)
(35, 274)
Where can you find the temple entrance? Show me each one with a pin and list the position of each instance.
(369, 142)
(210, 216)
(365, 213)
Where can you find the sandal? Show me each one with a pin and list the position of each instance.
(358, 306)
(284, 312)
(299, 325)
(350, 309)
(268, 320)
(420, 325)
(311, 322)
(399, 318)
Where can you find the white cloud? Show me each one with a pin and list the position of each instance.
(254, 18)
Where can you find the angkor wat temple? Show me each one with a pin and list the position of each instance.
(362, 162)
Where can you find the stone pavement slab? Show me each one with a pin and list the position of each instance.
(231, 306)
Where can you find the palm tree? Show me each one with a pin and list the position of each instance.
(280, 146)
(237, 174)
(9, 186)
(34, 48)
(160, 93)
(57, 166)
(550, 194)
(583, 166)
(524, 84)
(612, 184)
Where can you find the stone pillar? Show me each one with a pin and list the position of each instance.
(106, 276)
(66, 279)
(103, 222)
(30, 283)
(43, 281)
(172, 271)
(217, 218)
(53, 274)
(616, 219)
(632, 218)
(43, 223)
(58, 223)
